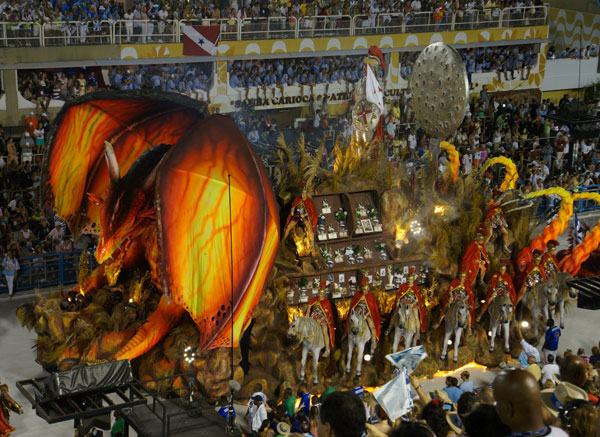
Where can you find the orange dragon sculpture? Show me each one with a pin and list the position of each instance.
(178, 191)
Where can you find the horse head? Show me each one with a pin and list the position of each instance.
(404, 311)
(463, 315)
(292, 333)
(506, 309)
(458, 314)
(356, 320)
(552, 294)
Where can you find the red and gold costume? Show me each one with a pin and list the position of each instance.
(500, 283)
(495, 220)
(475, 259)
(459, 289)
(533, 274)
(319, 308)
(7, 404)
(304, 203)
(549, 261)
(367, 299)
(412, 292)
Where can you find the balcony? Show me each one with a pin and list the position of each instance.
(29, 34)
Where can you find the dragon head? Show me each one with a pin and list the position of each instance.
(125, 206)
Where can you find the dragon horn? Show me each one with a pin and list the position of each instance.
(529, 204)
(111, 161)
(502, 195)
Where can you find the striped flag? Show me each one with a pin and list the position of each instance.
(200, 40)
(577, 231)
(394, 397)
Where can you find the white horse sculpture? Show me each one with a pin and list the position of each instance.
(501, 314)
(308, 331)
(406, 324)
(457, 318)
(359, 334)
(564, 296)
(540, 299)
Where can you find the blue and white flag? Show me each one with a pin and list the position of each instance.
(394, 397)
(577, 231)
(407, 359)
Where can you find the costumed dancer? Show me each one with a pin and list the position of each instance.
(500, 284)
(549, 260)
(319, 308)
(368, 111)
(7, 404)
(302, 219)
(532, 275)
(364, 300)
(475, 259)
(411, 293)
(459, 289)
(495, 220)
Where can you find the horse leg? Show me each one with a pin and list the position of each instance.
(457, 335)
(561, 309)
(350, 349)
(397, 335)
(316, 353)
(545, 311)
(303, 362)
(445, 348)
(493, 329)
(408, 338)
(506, 328)
(359, 358)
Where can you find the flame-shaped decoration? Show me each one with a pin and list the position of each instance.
(453, 158)
(572, 262)
(510, 179)
(554, 229)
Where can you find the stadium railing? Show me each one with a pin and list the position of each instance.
(22, 34)
(583, 205)
(48, 270)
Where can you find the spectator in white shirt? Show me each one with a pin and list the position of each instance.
(258, 414)
(527, 349)
(549, 370)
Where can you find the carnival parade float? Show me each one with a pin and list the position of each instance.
(315, 275)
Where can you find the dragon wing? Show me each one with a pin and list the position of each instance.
(194, 228)
(133, 122)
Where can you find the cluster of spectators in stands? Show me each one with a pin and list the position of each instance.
(546, 153)
(508, 59)
(590, 51)
(161, 10)
(190, 79)
(39, 87)
(297, 71)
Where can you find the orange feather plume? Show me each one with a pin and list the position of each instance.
(572, 263)
(510, 179)
(453, 158)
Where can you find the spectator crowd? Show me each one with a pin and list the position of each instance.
(39, 87)
(556, 396)
(29, 11)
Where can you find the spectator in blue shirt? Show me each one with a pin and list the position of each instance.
(224, 410)
(466, 386)
(304, 397)
(452, 390)
(551, 339)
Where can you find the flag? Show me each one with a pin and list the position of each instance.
(394, 397)
(374, 92)
(577, 231)
(407, 359)
(200, 40)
